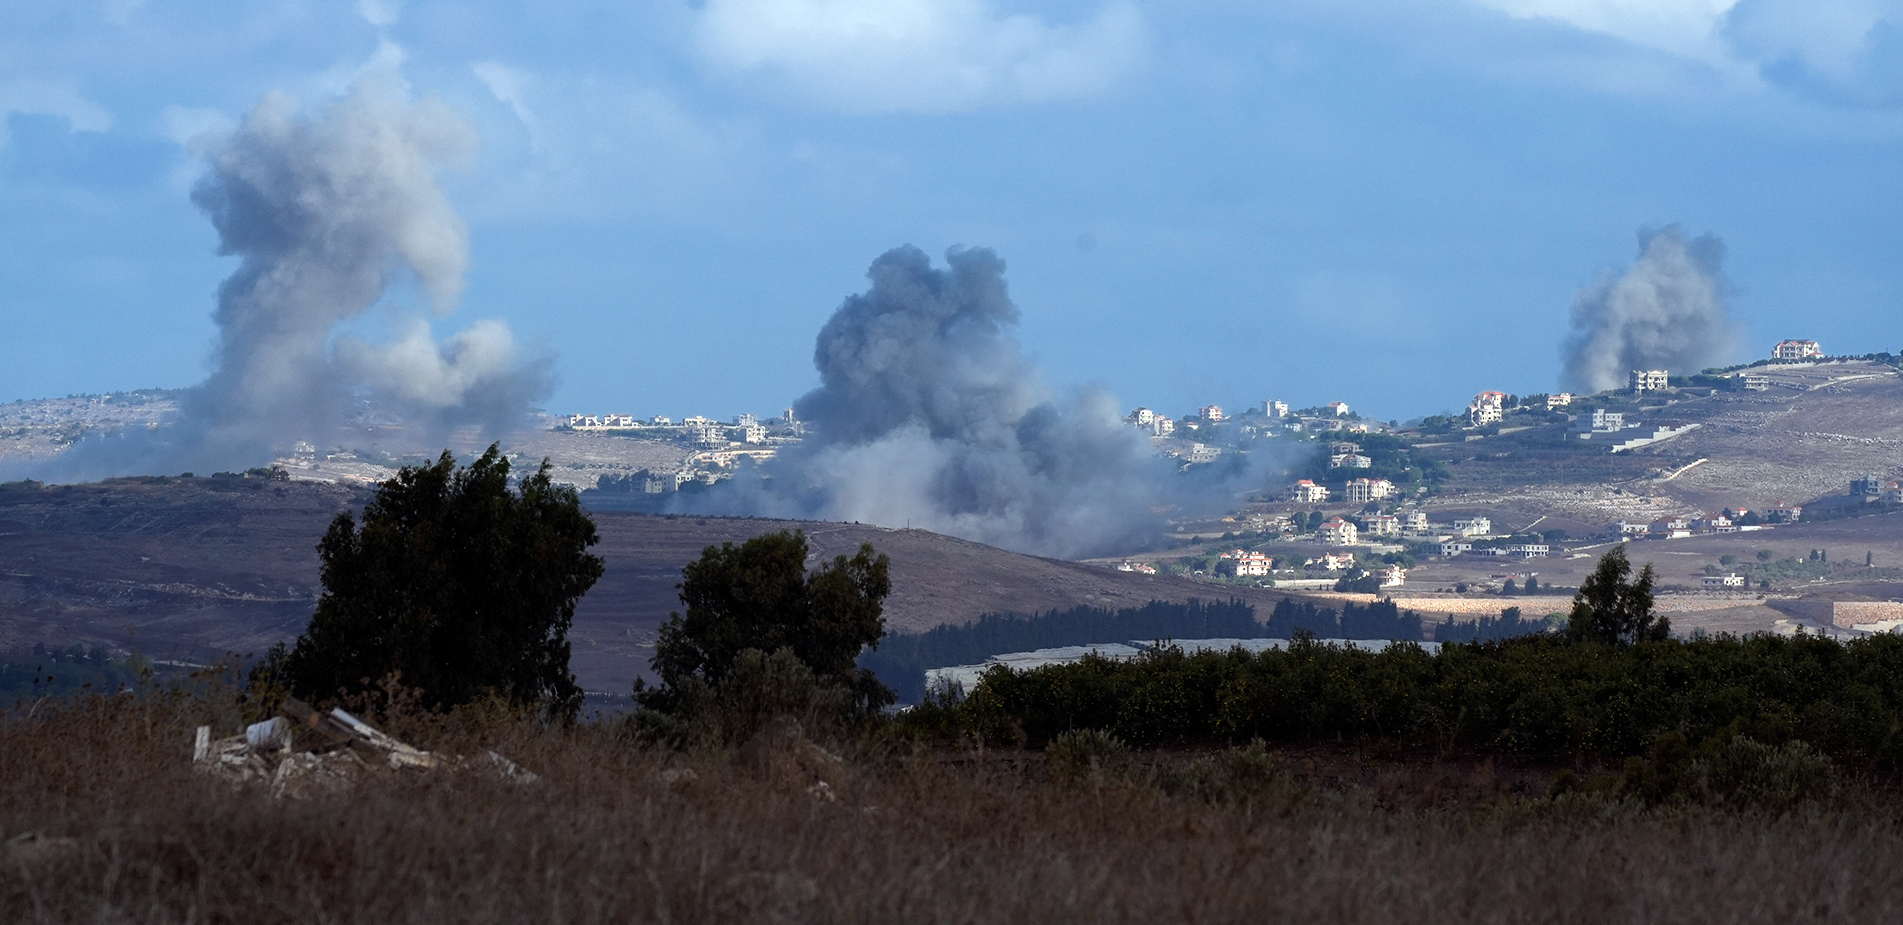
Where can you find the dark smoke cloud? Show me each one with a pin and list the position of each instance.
(327, 214)
(929, 414)
(1666, 311)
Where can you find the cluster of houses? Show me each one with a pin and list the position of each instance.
(703, 432)
(1667, 528)
(1356, 491)
(1251, 564)
(1277, 412)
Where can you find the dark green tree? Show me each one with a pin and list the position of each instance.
(759, 596)
(1611, 609)
(454, 584)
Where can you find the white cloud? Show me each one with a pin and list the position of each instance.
(508, 85)
(50, 98)
(1844, 48)
(918, 55)
(1682, 27)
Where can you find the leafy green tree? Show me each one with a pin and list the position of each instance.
(1611, 609)
(454, 584)
(759, 596)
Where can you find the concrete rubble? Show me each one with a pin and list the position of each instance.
(301, 752)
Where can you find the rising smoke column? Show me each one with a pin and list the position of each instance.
(327, 213)
(929, 414)
(1666, 311)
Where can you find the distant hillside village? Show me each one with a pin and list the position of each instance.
(1350, 514)
(1372, 478)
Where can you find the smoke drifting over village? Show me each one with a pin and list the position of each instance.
(929, 414)
(329, 214)
(1666, 311)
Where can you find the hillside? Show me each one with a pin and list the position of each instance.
(190, 568)
(1818, 426)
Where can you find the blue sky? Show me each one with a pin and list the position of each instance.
(1390, 204)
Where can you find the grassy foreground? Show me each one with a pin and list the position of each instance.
(105, 821)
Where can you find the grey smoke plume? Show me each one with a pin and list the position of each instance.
(328, 214)
(1666, 311)
(929, 414)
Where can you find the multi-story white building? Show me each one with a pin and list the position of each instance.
(1307, 491)
(1473, 526)
(1275, 409)
(1381, 525)
(1250, 564)
(1393, 576)
(1338, 408)
(1414, 521)
(1648, 380)
(1487, 408)
(1796, 350)
(708, 434)
(752, 433)
(1560, 400)
(1363, 491)
(1600, 421)
(1338, 532)
(1141, 417)
(1210, 413)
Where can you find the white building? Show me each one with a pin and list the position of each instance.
(1600, 421)
(752, 433)
(708, 435)
(1141, 417)
(1338, 408)
(1250, 564)
(1722, 582)
(1453, 548)
(1474, 526)
(1275, 409)
(1414, 521)
(1363, 491)
(1796, 350)
(1338, 532)
(1649, 380)
(1211, 413)
(1487, 408)
(1307, 491)
(1393, 576)
(1561, 400)
(1381, 525)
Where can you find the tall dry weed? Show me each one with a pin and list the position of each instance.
(123, 830)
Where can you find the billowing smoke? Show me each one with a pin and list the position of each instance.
(330, 214)
(1666, 311)
(929, 414)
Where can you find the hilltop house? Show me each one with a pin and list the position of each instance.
(1561, 400)
(1649, 380)
(1338, 408)
(1211, 413)
(1796, 350)
(1487, 408)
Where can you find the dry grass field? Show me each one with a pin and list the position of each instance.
(103, 820)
